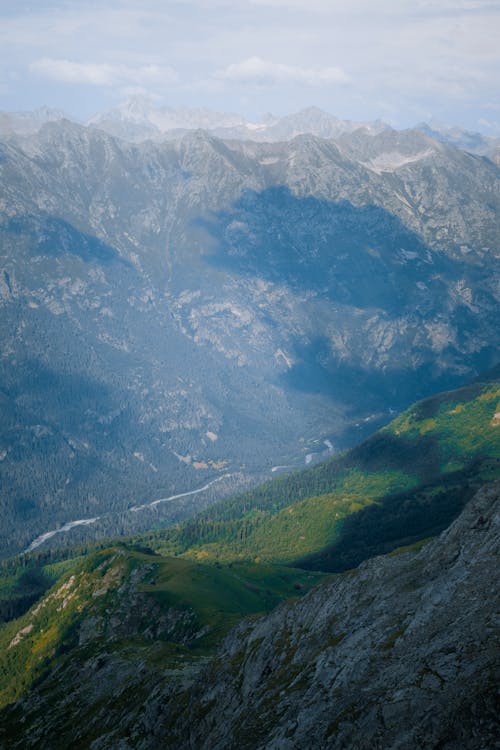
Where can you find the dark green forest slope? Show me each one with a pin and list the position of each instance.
(157, 606)
(406, 482)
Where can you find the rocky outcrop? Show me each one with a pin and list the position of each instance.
(399, 654)
(402, 653)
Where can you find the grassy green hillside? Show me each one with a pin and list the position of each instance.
(168, 598)
(417, 473)
(120, 598)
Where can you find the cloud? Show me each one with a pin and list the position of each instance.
(102, 74)
(488, 124)
(254, 70)
(437, 56)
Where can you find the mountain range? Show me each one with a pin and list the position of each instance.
(249, 432)
(193, 315)
(138, 118)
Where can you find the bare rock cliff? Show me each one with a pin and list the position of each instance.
(401, 653)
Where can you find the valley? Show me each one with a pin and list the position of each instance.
(163, 639)
(406, 482)
(178, 310)
(249, 375)
(238, 376)
(134, 509)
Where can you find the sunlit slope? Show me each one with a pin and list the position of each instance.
(148, 621)
(122, 600)
(417, 473)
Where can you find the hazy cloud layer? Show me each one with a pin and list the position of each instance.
(254, 70)
(400, 60)
(102, 74)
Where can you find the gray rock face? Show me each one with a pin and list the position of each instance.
(474, 143)
(26, 123)
(400, 653)
(174, 312)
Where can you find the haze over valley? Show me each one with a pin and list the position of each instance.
(178, 310)
(249, 374)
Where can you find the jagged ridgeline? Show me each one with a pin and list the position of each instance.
(174, 311)
(406, 482)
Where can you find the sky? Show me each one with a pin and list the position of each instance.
(400, 61)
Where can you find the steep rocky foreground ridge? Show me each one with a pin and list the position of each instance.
(181, 311)
(399, 653)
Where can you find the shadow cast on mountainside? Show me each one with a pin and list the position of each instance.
(361, 256)
(371, 286)
(72, 399)
(68, 432)
(375, 389)
(54, 236)
(398, 520)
